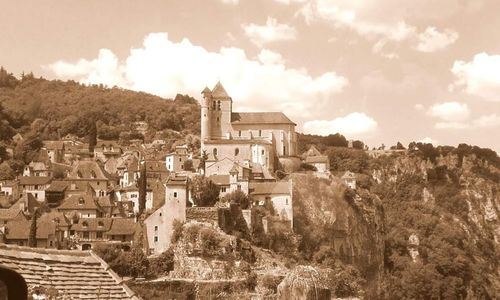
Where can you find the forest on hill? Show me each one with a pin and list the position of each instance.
(55, 108)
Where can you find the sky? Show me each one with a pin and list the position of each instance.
(381, 71)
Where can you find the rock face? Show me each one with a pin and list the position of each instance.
(303, 283)
(357, 224)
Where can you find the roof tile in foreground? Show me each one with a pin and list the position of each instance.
(78, 274)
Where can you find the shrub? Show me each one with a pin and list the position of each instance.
(238, 197)
(307, 167)
(162, 264)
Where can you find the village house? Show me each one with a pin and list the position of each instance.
(175, 161)
(10, 188)
(320, 162)
(105, 150)
(35, 185)
(159, 224)
(85, 206)
(91, 172)
(278, 193)
(55, 150)
(349, 179)
(36, 168)
(256, 137)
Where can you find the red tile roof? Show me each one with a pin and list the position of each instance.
(271, 188)
(77, 274)
(220, 179)
(317, 159)
(260, 118)
(33, 180)
(78, 202)
(122, 226)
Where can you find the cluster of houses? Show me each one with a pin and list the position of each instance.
(93, 197)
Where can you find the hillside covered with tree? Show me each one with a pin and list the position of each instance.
(55, 108)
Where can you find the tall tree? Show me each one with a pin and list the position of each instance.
(33, 229)
(92, 135)
(142, 187)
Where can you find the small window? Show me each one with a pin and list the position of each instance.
(263, 152)
(286, 201)
(214, 151)
(50, 243)
(236, 151)
(36, 186)
(99, 234)
(180, 159)
(223, 189)
(218, 105)
(85, 224)
(218, 119)
(100, 223)
(260, 132)
(175, 194)
(81, 201)
(156, 239)
(160, 214)
(156, 228)
(239, 133)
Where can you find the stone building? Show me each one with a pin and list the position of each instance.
(258, 137)
(159, 224)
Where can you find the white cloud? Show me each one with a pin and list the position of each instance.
(104, 69)
(480, 77)
(450, 111)
(288, 2)
(432, 40)
(355, 124)
(428, 140)
(419, 106)
(487, 121)
(347, 14)
(272, 31)
(451, 125)
(233, 2)
(269, 57)
(165, 68)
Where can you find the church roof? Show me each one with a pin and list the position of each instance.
(260, 118)
(219, 91)
(206, 90)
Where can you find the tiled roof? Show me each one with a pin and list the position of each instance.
(260, 118)
(177, 180)
(77, 274)
(317, 159)
(105, 201)
(93, 224)
(87, 169)
(122, 226)
(313, 151)
(33, 180)
(12, 212)
(349, 175)
(78, 202)
(56, 145)
(46, 225)
(238, 142)
(38, 166)
(219, 92)
(220, 179)
(270, 188)
(57, 186)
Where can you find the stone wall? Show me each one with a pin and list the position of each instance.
(203, 214)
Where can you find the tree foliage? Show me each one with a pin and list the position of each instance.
(204, 191)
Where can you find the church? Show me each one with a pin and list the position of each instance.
(246, 138)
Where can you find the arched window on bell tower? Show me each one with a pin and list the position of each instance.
(218, 105)
(213, 105)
